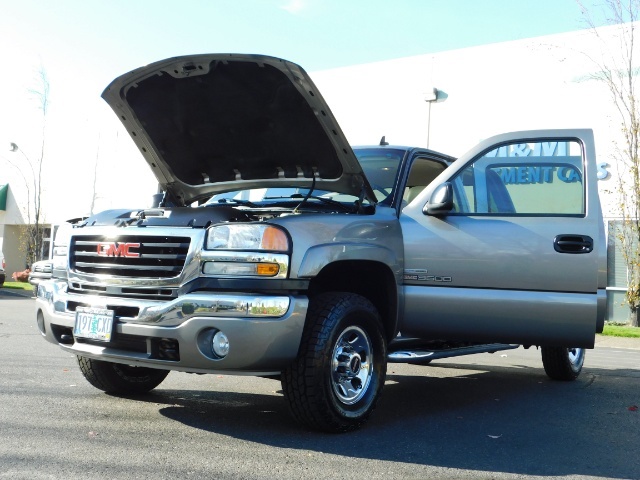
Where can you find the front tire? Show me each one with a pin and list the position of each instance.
(561, 363)
(338, 377)
(119, 378)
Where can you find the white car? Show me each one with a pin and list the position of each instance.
(40, 271)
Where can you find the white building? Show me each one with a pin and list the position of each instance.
(544, 82)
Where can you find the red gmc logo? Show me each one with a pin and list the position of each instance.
(115, 249)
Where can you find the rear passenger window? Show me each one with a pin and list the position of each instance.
(537, 178)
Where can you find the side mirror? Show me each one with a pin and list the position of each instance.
(441, 201)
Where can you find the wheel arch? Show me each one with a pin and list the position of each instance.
(373, 280)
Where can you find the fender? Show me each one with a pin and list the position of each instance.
(319, 256)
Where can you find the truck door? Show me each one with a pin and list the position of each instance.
(518, 254)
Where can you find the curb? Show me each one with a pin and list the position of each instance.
(617, 342)
(16, 292)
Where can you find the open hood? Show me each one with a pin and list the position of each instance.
(219, 122)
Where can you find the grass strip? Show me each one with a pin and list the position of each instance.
(621, 331)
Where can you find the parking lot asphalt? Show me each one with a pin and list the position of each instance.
(480, 416)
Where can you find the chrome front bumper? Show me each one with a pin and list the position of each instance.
(264, 331)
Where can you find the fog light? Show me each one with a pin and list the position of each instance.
(220, 345)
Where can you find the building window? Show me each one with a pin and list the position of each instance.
(45, 248)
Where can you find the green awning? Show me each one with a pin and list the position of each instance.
(4, 190)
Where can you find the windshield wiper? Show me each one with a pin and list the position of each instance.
(244, 203)
(327, 201)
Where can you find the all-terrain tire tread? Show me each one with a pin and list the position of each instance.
(300, 383)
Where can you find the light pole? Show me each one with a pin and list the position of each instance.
(34, 235)
(433, 95)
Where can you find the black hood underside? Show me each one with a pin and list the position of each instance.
(213, 123)
(228, 126)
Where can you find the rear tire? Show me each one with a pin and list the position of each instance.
(561, 363)
(119, 378)
(337, 379)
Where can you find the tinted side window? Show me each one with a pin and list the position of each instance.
(536, 178)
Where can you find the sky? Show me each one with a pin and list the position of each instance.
(105, 38)
(319, 34)
(82, 45)
(87, 43)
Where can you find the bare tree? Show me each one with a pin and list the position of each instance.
(36, 235)
(617, 69)
(95, 179)
(34, 231)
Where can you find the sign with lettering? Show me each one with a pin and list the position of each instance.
(526, 174)
(545, 175)
(537, 149)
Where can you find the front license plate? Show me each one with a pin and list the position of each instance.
(94, 323)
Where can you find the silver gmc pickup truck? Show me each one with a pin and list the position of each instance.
(278, 250)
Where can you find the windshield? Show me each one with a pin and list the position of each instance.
(380, 166)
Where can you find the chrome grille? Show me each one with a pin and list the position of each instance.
(148, 257)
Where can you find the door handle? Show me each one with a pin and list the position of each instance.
(573, 243)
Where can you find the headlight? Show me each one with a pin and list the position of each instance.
(257, 250)
(60, 257)
(247, 237)
(59, 263)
